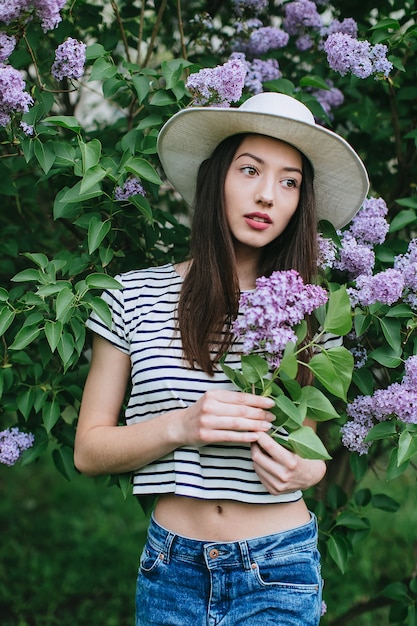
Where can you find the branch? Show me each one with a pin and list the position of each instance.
(181, 29)
(140, 33)
(122, 30)
(155, 32)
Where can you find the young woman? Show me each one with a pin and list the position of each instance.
(231, 540)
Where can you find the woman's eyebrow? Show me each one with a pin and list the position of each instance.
(261, 161)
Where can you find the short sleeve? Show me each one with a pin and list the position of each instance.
(116, 334)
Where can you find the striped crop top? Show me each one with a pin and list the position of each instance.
(143, 326)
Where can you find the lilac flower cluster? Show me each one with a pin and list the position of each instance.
(385, 287)
(218, 86)
(12, 443)
(69, 59)
(301, 14)
(267, 314)
(398, 401)
(348, 26)
(347, 54)
(131, 187)
(326, 252)
(407, 265)
(13, 97)
(258, 71)
(47, 11)
(329, 98)
(253, 6)
(7, 45)
(368, 227)
(266, 38)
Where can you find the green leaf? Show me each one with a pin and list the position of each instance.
(90, 153)
(53, 332)
(407, 447)
(289, 363)
(142, 169)
(352, 520)
(333, 368)
(382, 430)
(307, 444)
(64, 462)
(385, 503)
(101, 309)
(64, 303)
(387, 356)
(26, 275)
(45, 154)
(24, 402)
(66, 121)
(161, 98)
(338, 318)
(338, 550)
(97, 230)
(141, 86)
(90, 179)
(24, 337)
(314, 81)
(402, 220)
(317, 406)
(387, 23)
(66, 348)
(102, 281)
(6, 319)
(50, 414)
(294, 415)
(73, 195)
(102, 69)
(394, 470)
(391, 327)
(254, 367)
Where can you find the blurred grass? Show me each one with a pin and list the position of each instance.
(69, 551)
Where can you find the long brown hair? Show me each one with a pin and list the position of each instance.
(209, 299)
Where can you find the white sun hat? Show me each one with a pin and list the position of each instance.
(190, 136)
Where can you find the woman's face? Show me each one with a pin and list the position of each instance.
(262, 190)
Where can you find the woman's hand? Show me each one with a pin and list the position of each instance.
(225, 416)
(282, 471)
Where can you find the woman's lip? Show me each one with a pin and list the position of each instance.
(255, 224)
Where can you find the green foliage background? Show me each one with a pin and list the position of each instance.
(63, 236)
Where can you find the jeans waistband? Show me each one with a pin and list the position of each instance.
(245, 552)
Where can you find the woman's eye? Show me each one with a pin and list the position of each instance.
(250, 170)
(290, 183)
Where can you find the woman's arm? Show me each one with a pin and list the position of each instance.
(102, 446)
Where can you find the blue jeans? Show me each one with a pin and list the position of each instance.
(273, 579)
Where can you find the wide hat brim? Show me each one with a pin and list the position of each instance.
(191, 135)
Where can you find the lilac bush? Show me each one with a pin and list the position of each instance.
(13, 97)
(131, 187)
(219, 86)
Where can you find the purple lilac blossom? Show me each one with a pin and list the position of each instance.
(131, 187)
(69, 59)
(220, 86)
(11, 9)
(326, 252)
(407, 264)
(329, 98)
(12, 443)
(13, 98)
(266, 38)
(369, 226)
(254, 6)
(7, 45)
(268, 314)
(347, 54)
(299, 15)
(348, 26)
(303, 43)
(360, 355)
(398, 401)
(27, 129)
(259, 71)
(355, 258)
(48, 11)
(385, 287)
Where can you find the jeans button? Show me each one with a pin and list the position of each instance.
(213, 554)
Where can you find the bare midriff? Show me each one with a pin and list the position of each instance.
(227, 520)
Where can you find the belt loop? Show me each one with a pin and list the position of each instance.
(167, 546)
(244, 550)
